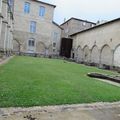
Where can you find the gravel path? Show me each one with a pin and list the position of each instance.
(5, 60)
(96, 111)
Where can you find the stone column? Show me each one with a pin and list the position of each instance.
(4, 35)
(111, 67)
(46, 51)
(100, 64)
(8, 40)
(90, 55)
(1, 18)
(5, 23)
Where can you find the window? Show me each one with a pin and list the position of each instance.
(42, 11)
(26, 7)
(10, 2)
(54, 50)
(31, 43)
(55, 36)
(54, 44)
(32, 26)
(84, 23)
(93, 25)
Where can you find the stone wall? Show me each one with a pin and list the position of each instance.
(43, 36)
(99, 45)
(74, 25)
(6, 27)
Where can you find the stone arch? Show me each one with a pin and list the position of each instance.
(86, 54)
(117, 56)
(106, 55)
(40, 47)
(95, 54)
(79, 54)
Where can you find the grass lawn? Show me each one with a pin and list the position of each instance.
(27, 81)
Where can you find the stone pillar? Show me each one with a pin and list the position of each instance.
(4, 35)
(100, 64)
(111, 67)
(46, 51)
(5, 23)
(8, 39)
(1, 17)
(90, 55)
(0, 6)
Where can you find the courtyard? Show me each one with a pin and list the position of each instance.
(29, 81)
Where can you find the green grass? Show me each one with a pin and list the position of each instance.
(27, 81)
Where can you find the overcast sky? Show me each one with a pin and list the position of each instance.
(91, 10)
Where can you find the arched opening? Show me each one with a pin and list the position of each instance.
(106, 55)
(117, 56)
(40, 47)
(79, 54)
(86, 54)
(95, 55)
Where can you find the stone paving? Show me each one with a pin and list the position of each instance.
(95, 111)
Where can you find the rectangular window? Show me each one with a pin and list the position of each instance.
(54, 44)
(84, 23)
(10, 2)
(32, 26)
(55, 36)
(42, 11)
(27, 7)
(31, 43)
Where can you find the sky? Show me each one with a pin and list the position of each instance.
(91, 10)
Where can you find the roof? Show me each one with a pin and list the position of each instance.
(77, 20)
(57, 25)
(96, 26)
(45, 3)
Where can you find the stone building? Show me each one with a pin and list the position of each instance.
(71, 26)
(6, 26)
(34, 29)
(98, 45)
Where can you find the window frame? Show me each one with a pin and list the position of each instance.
(31, 42)
(33, 26)
(84, 23)
(54, 44)
(42, 11)
(26, 8)
(55, 36)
